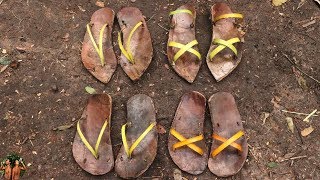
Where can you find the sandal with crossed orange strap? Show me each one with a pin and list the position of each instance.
(186, 141)
(226, 48)
(92, 147)
(134, 42)
(182, 47)
(229, 148)
(97, 51)
(139, 138)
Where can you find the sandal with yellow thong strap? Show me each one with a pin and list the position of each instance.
(92, 147)
(226, 49)
(139, 137)
(229, 147)
(97, 51)
(135, 43)
(186, 142)
(182, 48)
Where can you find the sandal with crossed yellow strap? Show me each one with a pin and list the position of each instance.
(134, 42)
(225, 52)
(97, 51)
(186, 141)
(229, 146)
(139, 138)
(92, 147)
(182, 47)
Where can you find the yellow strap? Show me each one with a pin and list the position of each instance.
(222, 44)
(98, 49)
(184, 48)
(188, 141)
(181, 138)
(227, 143)
(136, 142)
(126, 51)
(231, 15)
(222, 139)
(181, 11)
(87, 144)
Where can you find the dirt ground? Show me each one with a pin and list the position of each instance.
(46, 90)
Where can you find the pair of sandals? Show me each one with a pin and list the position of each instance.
(224, 54)
(92, 148)
(186, 143)
(134, 42)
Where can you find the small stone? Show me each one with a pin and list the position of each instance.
(4, 51)
(54, 88)
(133, 1)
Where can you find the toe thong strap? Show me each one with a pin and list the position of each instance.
(136, 142)
(126, 50)
(181, 11)
(187, 142)
(96, 47)
(227, 142)
(87, 144)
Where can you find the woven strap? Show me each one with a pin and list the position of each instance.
(184, 48)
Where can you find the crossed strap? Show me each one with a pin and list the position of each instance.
(225, 43)
(227, 142)
(187, 142)
(183, 47)
(94, 151)
(98, 48)
(126, 50)
(136, 142)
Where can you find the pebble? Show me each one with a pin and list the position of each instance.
(133, 1)
(54, 88)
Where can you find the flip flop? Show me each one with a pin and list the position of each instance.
(225, 52)
(97, 51)
(186, 141)
(229, 147)
(139, 137)
(182, 48)
(136, 53)
(92, 147)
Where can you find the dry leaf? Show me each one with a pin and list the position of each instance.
(100, 4)
(278, 2)
(275, 103)
(301, 81)
(266, 115)
(62, 128)
(290, 124)
(307, 131)
(161, 129)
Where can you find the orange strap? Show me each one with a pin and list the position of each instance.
(227, 142)
(187, 142)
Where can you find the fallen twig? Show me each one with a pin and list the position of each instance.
(293, 158)
(298, 113)
(1, 1)
(163, 27)
(295, 65)
(309, 115)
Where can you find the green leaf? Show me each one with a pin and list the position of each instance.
(5, 60)
(90, 90)
(272, 164)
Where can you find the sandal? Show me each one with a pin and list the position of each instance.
(182, 48)
(136, 53)
(225, 52)
(186, 142)
(139, 137)
(97, 51)
(93, 129)
(229, 147)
